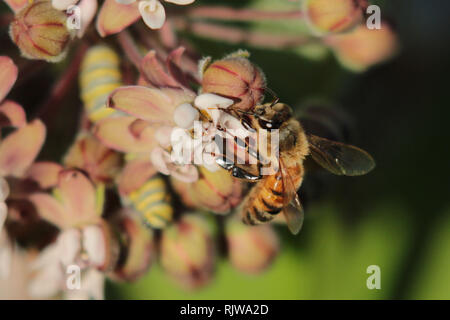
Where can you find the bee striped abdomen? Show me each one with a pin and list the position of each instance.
(152, 202)
(265, 202)
(100, 75)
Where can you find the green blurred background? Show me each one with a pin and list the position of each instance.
(397, 217)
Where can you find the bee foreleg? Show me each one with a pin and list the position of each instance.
(242, 174)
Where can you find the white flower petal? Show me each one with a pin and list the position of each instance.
(158, 157)
(152, 13)
(183, 147)
(162, 135)
(3, 214)
(95, 245)
(208, 100)
(125, 1)
(15, 286)
(181, 2)
(4, 189)
(209, 162)
(63, 4)
(92, 287)
(48, 256)
(233, 125)
(185, 115)
(69, 243)
(47, 283)
(211, 104)
(88, 9)
(5, 256)
(187, 173)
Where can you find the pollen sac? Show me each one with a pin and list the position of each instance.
(362, 48)
(325, 16)
(101, 163)
(215, 191)
(137, 247)
(188, 252)
(236, 78)
(251, 249)
(40, 31)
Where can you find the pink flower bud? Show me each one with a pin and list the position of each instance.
(325, 16)
(40, 31)
(101, 163)
(362, 48)
(137, 249)
(215, 191)
(235, 78)
(187, 251)
(251, 249)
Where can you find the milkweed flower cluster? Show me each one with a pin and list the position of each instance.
(152, 11)
(121, 198)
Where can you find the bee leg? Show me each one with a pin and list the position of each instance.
(225, 163)
(242, 174)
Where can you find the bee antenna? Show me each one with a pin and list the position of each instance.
(274, 95)
(245, 112)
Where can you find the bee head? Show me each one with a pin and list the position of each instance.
(272, 116)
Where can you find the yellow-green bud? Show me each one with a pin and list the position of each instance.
(325, 16)
(40, 31)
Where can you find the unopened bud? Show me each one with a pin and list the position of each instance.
(187, 251)
(40, 31)
(251, 249)
(137, 247)
(325, 16)
(101, 163)
(236, 78)
(215, 191)
(362, 48)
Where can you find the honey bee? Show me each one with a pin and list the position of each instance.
(276, 193)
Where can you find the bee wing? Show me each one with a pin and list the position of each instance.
(294, 215)
(340, 158)
(292, 209)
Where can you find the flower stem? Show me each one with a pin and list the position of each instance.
(63, 85)
(235, 35)
(225, 13)
(129, 47)
(189, 64)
